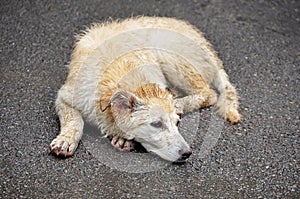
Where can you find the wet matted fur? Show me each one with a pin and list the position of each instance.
(139, 95)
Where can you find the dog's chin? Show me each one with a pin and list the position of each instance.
(167, 158)
(180, 161)
(142, 148)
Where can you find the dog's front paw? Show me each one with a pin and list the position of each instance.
(64, 145)
(122, 144)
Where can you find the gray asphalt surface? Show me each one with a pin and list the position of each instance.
(259, 43)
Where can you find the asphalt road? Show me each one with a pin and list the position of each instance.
(259, 43)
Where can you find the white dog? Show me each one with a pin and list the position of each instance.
(134, 78)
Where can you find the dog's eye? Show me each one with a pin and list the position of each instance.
(157, 124)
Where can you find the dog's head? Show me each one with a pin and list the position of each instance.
(152, 121)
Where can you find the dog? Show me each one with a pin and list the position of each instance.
(134, 78)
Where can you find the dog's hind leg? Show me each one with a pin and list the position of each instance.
(200, 95)
(204, 98)
(227, 103)
(71, 129)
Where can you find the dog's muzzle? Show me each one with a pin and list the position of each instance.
(184, 154)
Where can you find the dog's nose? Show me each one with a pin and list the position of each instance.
(185, 153)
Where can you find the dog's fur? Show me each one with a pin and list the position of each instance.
(139, 95)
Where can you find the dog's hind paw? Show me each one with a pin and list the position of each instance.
(233, 116)
(122, 144)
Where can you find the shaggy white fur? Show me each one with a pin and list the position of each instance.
(132, 78)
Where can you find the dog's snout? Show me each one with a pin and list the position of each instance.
(185, 153)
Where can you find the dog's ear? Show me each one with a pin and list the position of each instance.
(125, 102)
(105, 101)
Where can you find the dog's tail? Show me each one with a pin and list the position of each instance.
(227, 103)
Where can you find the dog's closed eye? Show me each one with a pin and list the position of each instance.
(157, 124)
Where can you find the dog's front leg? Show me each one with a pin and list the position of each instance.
(71, 129)
(190, 103)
